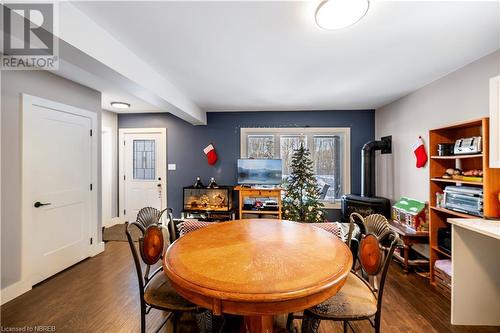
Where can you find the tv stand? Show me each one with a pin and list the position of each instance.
(267, 187)
(248, 192)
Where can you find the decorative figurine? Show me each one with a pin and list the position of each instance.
(198, 183)
(212, 183)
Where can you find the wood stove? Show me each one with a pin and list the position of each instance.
(367, 203)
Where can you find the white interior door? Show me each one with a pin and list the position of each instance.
(57, 185)
(143, 165)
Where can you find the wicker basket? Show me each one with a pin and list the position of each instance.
(443, 281)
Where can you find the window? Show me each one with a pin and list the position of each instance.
(288, 143)
(329, 148)
(260, 146)
(144, 159)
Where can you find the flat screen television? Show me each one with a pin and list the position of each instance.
(259, 172)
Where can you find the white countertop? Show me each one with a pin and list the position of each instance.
(489, 228)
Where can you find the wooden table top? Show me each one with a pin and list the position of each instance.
(257, 260)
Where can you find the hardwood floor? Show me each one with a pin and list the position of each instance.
(100, 294)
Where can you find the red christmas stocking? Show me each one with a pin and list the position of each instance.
(420, 153)
(211, 154)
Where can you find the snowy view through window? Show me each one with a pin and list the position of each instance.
(325, 151)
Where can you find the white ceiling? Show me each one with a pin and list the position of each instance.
(248, 55)
(136, 104)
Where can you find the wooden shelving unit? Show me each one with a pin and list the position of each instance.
(437, 249)
(455, 157)
(438, 166)
(456, 181)
(453, 213)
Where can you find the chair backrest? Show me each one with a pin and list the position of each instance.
(355, 219)
(324, 191)
(376, 224)
(151, 244)
(170, 225)
(376, 247)
(149, 215)
(375, 256)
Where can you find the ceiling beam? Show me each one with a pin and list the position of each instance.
(106, 58)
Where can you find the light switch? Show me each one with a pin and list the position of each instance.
(172, 166)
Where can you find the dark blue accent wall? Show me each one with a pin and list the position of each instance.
(185, 142)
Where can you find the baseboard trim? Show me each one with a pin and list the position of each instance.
(14, 290)
(97, 248)
(20, 287)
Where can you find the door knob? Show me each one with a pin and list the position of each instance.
(39, 204)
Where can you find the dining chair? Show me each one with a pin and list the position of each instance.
(155, 289)
(359, 225)
(361, 296)
(336, 229)
(324, 191)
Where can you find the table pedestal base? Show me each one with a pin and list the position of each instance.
(258, 324)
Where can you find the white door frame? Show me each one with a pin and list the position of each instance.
(109, 169)
(25, 283)
(121, 165)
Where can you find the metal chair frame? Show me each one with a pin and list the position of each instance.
(145, 218)
(353, 245)
(388, 241)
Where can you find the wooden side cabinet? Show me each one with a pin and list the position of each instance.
(495, 122)
(252, 192)
(410, 237)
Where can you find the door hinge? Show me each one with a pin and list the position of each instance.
(124, 212)
(124, 177)
(90, 132)
(124, 142)
(91, 187)
(91, 240)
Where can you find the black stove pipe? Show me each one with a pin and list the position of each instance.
(368, 165)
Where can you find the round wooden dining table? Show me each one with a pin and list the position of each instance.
(257, 268)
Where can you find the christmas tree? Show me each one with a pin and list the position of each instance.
(301, 201)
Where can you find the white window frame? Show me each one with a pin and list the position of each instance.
(309, 132)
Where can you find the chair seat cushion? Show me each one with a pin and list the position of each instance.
(161, 295)
(354, 301)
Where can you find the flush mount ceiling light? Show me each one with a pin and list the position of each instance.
(338, 14)
(120, 105)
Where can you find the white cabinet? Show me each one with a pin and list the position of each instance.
(495, 122)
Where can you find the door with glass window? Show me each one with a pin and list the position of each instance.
(143, 166)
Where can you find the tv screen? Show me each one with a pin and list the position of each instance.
(259, 172)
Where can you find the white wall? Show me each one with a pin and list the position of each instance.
(46, 85)
(459, 96)
(109, 167)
